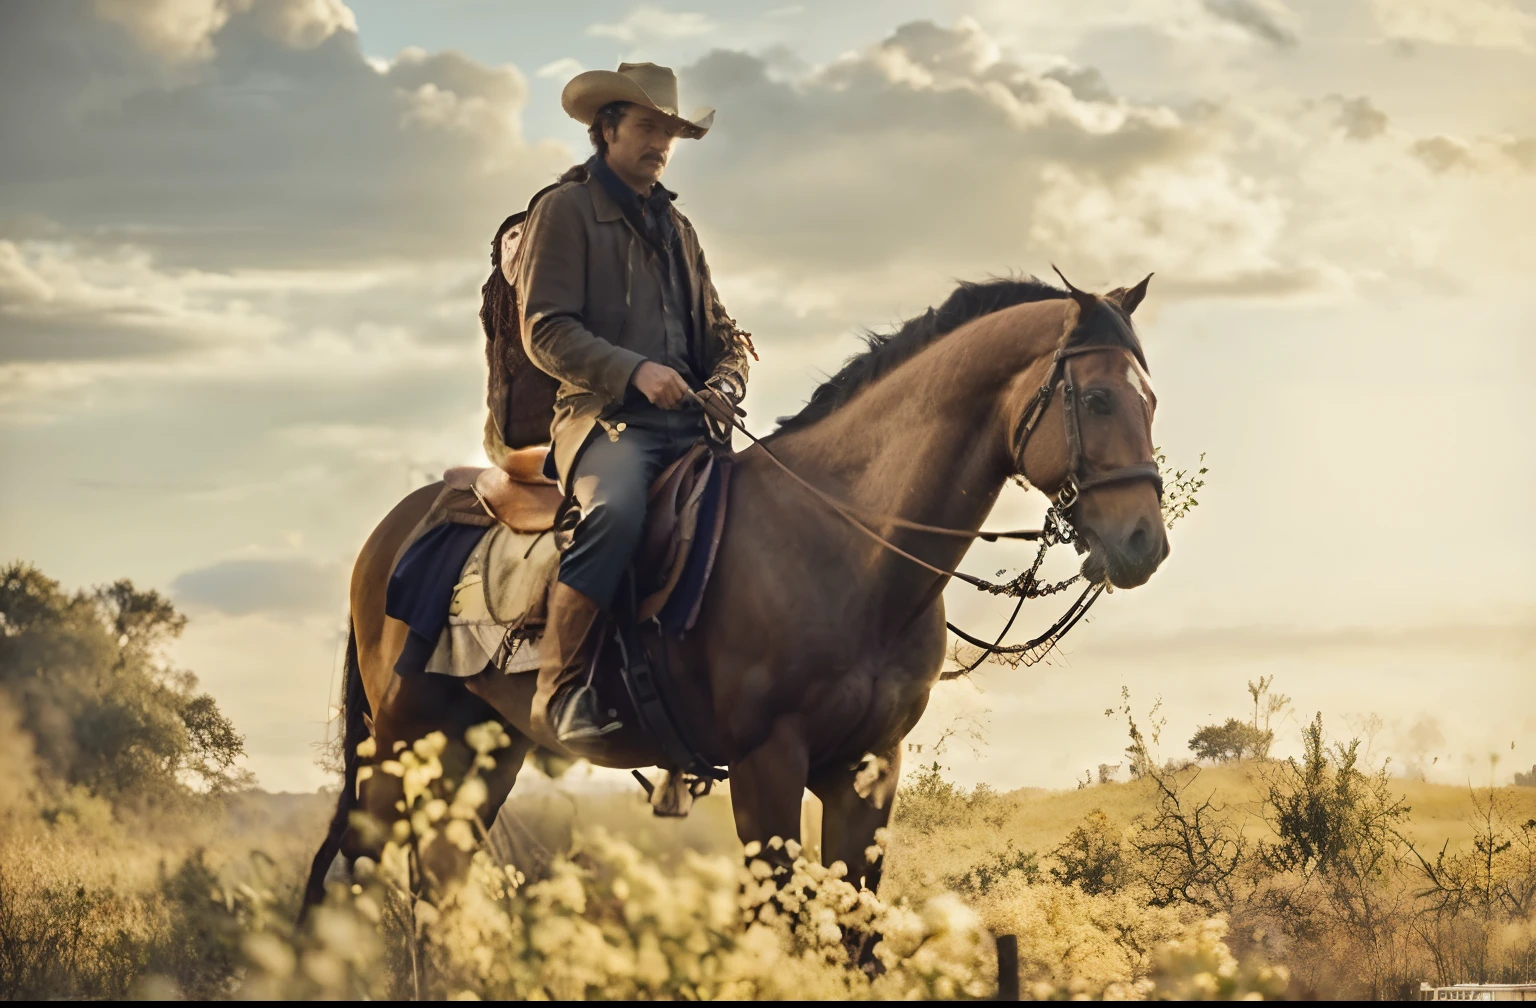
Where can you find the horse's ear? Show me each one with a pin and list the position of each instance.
(1085, 301)
(1129, 298)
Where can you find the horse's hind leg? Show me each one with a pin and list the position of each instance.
(415, 707)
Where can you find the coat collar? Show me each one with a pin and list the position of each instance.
(616, 191)
(604, 205)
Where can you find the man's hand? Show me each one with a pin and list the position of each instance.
(660, 384)
(718, 407)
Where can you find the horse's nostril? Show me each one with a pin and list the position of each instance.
(1139, 543)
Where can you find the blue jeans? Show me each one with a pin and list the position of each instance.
(610, 483)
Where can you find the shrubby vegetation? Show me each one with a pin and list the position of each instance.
(1314, 865)
(118, 781)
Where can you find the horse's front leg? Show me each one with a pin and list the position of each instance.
(767, 788)
(855, 803)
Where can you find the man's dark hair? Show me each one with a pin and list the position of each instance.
(607, 117)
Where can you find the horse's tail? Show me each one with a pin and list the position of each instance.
(354, 713)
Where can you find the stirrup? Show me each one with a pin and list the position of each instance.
(581, 720)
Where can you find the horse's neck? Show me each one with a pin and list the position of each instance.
(922, 443)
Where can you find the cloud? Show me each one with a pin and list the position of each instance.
(1359, 119)
(1442, 153)
(241, 587)
(185, 29)
(559, 69)
(59, 304)
(933, 155)
(1492, 24)
(278, 144)
(1522, 150)
(1254, 18)
(650, 24)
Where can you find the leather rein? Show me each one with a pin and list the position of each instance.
(1077, 481)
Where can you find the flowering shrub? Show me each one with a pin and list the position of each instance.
(608, 922)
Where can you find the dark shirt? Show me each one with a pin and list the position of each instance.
(651, 216)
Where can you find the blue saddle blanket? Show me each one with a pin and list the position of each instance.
(421, 588)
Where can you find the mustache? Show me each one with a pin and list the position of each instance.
(654, 156)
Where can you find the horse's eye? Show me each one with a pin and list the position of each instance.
(1098, 401)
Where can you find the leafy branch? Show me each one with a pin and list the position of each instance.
(1180, 487)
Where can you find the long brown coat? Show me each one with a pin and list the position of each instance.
(590, 286)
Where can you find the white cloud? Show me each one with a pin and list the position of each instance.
(185, 29)
(1494, 24)
(179, 29)
(934, 155)
(560, 69)
(267, 152)
(651, 24)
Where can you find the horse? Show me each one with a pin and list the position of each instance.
(818, 641)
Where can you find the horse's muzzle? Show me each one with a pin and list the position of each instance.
(1126, 561)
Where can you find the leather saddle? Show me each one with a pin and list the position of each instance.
(685, 518)
(517, 494)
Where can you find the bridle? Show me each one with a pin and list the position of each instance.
(1078, 477)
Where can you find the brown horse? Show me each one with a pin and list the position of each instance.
(817, 646)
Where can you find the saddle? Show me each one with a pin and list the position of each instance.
(685, 517)
(517, 493)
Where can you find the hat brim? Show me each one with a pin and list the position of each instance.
(587, 92)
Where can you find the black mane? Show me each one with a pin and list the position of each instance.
(885, 351)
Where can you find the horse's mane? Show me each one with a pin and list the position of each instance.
(883, 352)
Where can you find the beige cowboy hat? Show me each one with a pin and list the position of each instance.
(646, 84)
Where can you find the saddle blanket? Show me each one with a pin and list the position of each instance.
(496, 611)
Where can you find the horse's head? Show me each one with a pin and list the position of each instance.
(1083, 434)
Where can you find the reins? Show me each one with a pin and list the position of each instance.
(1058, 527)
(853, 518)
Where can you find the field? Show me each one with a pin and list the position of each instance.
(93, 903)
(136, 860)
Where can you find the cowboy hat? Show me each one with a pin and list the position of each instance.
(647, 84)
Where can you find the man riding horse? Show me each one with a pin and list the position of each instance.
(617, 304)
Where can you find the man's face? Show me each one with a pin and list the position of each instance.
(640, 147)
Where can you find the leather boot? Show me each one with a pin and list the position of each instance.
(565, 705)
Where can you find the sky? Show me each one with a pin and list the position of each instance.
(241, 246)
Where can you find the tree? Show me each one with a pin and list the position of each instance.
(1092, 857)
(1231, 741)
(1265, 702)
(1329, 813)
(1526, 779)
(88, 675)
(1187, 849)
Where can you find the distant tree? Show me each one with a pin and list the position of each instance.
(1527, 779)
(1231, 741)
(1107, 772)
(88, 675)
(1266, 704)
